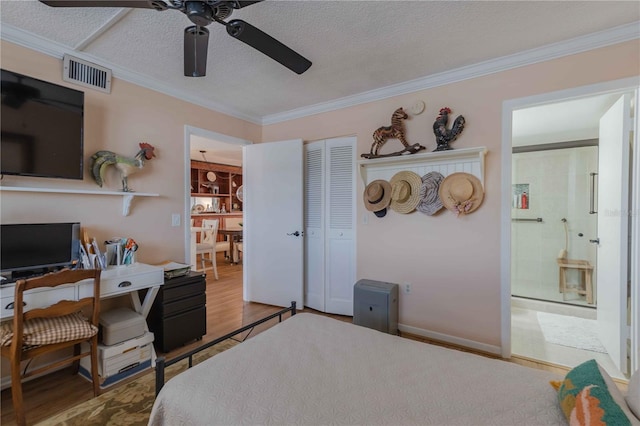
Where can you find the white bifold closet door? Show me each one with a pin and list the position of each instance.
(329, 215)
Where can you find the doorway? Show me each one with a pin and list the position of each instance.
(549, 203)
(217, 148)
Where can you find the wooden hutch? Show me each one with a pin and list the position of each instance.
(211, 182)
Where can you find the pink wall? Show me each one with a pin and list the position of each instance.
(452, 263)
(118, 122)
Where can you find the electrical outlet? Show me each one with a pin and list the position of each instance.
(175, 219)
(407, 288)
(365, 219)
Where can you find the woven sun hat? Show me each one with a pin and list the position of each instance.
(405, 191)
(377, 196)
(430, 202)
(462, 193)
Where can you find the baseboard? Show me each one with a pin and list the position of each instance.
(452, 340)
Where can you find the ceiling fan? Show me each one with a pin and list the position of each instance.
(196, 37)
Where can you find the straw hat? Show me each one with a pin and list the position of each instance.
(405, 191)
(377, 196)
(430, 202)
(461, 193)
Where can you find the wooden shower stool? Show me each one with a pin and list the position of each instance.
(585, 284)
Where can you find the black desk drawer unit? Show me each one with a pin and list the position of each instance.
(179, 312)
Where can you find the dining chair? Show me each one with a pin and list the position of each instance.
(222, 246)
(34, 332)
(233, 223)
(209, 244)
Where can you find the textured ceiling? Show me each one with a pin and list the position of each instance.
(355, 46)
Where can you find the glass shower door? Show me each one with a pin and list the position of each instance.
(551, 225)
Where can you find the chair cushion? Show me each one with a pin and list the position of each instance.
(47, 331)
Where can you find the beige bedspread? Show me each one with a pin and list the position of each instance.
(315, 370)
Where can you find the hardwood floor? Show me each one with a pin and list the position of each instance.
(226, 311)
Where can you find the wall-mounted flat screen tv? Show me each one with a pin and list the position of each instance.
(42, 128)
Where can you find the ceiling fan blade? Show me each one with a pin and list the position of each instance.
(240, 4)
(144, 4)
(196, 43)
(268, 45)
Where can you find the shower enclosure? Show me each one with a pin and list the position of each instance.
(552, 221)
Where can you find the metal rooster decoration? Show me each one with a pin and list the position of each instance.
(445, 136)
(395, 131)
(125, 165)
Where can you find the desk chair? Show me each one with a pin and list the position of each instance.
(585, 283)
(61, 325)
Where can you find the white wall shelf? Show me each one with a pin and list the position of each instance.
(127, 197)
(468, 160)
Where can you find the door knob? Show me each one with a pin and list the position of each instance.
(596, 241)
(295, 234)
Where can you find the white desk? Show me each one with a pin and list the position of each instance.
(115, 281)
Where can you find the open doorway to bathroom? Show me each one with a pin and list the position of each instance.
(555, 255)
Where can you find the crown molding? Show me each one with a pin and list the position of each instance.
(58, 50)
(552, 51)
(541, 54)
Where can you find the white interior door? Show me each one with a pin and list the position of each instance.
(273, 253)
(613, 203)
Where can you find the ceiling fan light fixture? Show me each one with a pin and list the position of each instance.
(198, 12)
(196, 42)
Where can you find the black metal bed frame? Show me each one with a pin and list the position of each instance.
(161, 363)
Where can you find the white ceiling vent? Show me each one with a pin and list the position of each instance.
(86, 74)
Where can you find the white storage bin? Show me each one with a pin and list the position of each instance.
(119, 358)
(121, 324)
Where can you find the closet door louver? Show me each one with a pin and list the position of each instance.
(340, 229)
(314, 225)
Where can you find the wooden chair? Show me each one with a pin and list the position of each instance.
(585, 284)
(237, 247)
(43, 330)
(209, 244)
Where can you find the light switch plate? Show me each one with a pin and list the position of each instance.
(175, 219)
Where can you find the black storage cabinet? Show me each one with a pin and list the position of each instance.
(179, 312)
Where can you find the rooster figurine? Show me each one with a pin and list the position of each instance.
(125, 165)
(445, 136)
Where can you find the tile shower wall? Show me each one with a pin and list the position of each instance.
(559, 187)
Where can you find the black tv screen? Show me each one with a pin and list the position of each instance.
(37, 246)
(42, 128)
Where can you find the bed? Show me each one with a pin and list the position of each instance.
(312, 369)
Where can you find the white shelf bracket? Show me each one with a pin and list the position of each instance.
(126, 204)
